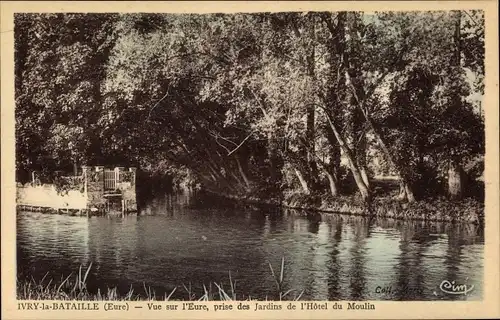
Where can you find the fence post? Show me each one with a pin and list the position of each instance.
(134, 173)
(118, 170)
(117, 175)
(99, 169)
(85, 178)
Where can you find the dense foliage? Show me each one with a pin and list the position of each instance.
(257, 103)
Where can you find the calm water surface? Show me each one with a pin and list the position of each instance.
(330, 257)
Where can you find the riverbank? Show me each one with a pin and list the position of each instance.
(467, 210)
(103, 211)
(438, 210)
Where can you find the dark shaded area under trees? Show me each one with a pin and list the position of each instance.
(262, 104)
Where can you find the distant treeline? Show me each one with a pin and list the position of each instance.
(262, 104)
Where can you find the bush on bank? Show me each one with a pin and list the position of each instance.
(468, 210)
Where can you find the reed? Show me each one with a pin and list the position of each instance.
(75, 288)
(279, 279)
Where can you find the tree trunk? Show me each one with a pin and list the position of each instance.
(337, 47)
(405, 191)
(214, 173)
(364, 175)
(361, 150)
(220, 178)
(455, 180)
(214, 179)
(239, 183)
(75, 168)
(333, 166)
(357, 132)
(363, 189)
(302, 181)
(404, 181)
(332, 181)
(311, 108)
(310, 148)
(274, 160)
(409, 193)
(229, 172)
(455, 183)
(358, 178)
(242, 173)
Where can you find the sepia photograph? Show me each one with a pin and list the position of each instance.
(303, 156)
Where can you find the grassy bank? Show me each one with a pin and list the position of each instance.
(74, 287)
(438, 209)
(468, 210)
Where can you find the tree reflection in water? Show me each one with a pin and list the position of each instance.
(328, 256)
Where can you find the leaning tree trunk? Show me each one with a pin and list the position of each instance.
(358, 97)
(330, 169)
(332, 182)
(364, 175)
(242, 173)
(404, 183)
(303, 181)
(337, 46)
(363, 189)
(359, 153)
(405, 191)
(361, 158)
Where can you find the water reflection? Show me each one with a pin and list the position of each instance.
(333, 265)
(358, 260)
(410, 270)
(175, 241)
(52, 240)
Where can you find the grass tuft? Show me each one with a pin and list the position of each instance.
(75, 288)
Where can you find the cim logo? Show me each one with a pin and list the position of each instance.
(454, 288)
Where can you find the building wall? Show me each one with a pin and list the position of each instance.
(95, 188)
(125, 184)
(128, 195)
(47, 196)
(87, 193)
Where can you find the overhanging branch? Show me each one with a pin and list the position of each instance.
(242, 142)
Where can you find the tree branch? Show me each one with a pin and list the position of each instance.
(242, 142)
(261, 105)
(220, 144)
(472, 19)
(226, 139)
(329, 23)
(158, 102)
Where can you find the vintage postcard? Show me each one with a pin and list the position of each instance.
(253, 160)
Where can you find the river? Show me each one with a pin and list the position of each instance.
(176, 241)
